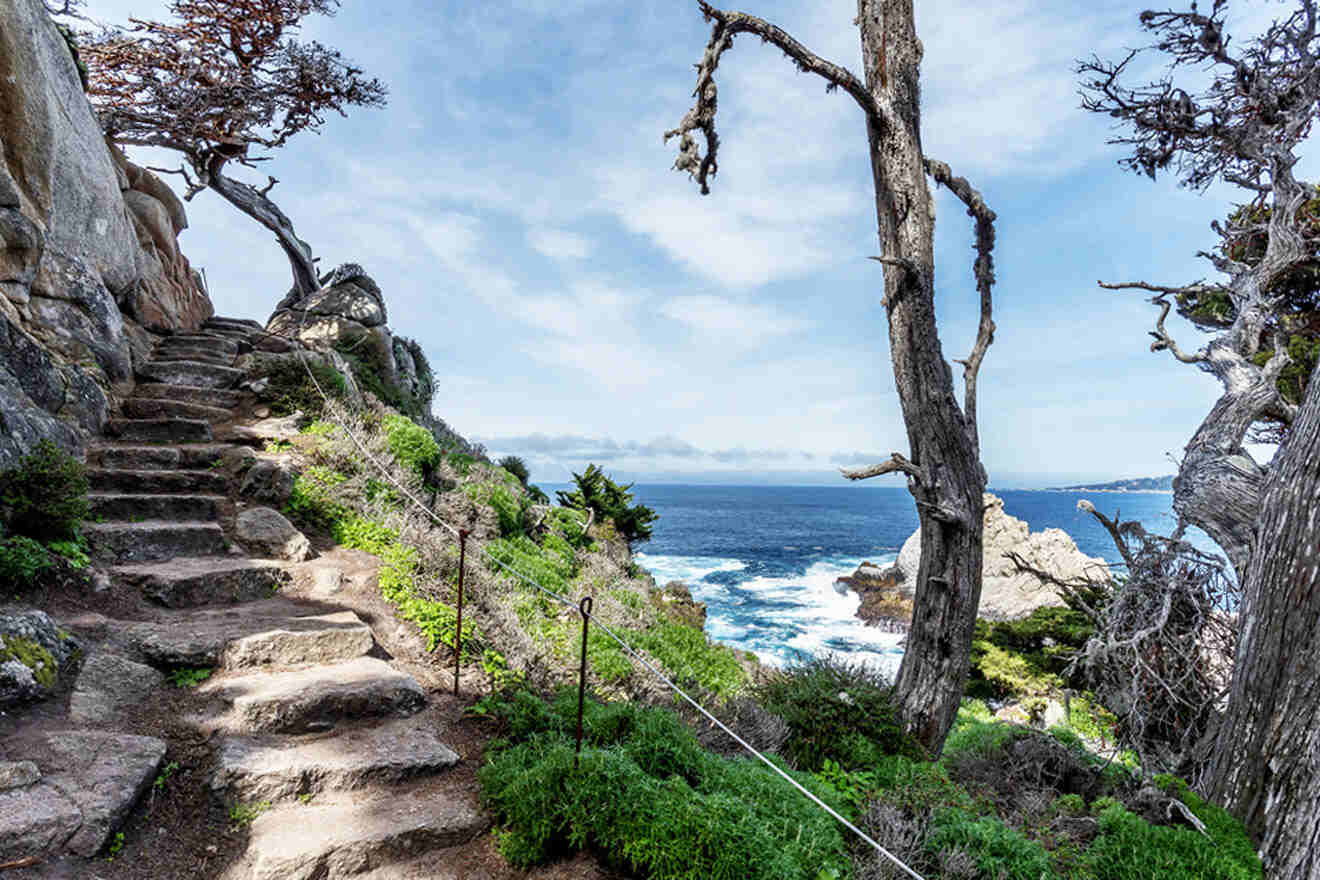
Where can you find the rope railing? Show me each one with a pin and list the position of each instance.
(584, 609)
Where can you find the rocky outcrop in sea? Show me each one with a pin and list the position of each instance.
(1006, 592)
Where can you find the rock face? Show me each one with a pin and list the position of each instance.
(348, 315)
(33, 651)
(1006, 593)
(88, 259)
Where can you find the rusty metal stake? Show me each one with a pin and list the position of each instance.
(584, 607)
(458, 628)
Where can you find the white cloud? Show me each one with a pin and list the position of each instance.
(560, 245)
(746, 324)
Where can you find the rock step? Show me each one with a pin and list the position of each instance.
(196, 375)
(151, 458)
(345, 838)
(217, 321)
(202, 482)
(274, 632)
(300, 700)
(206, 580)
(158, 408)
(126, 506)
(218, 397)
(191, 355)
(154, 540)
(279, 767)
(206, 341)
(160, 430)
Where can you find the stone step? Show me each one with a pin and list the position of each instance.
(157, 408)
(231, 323)
(207, 580)
(137, 507)
(160, 430)
(238, 335)
(151, 458)
(192, 355)
(218, 397)
(269, 632)
(146, 482)
(315, 698)
(154, 540)
(190, 373)
(344, 838)
(276, 767)
(207, 341)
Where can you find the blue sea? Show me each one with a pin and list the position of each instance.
(765, 559)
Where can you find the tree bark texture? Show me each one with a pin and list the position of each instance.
(1266, 766)
(942, 443)
(255, 204)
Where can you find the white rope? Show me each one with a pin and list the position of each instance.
(623, 644)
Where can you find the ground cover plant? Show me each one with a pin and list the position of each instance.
(646, 797)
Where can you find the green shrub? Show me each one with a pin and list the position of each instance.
(1130, 848)
(45, 497)
(610, 501)
(998, 851)
(1027, 657)
(21, 560)
(688, 656)
(835, 710)
(411, 445)
(315, 498)
(360, 533)
(72, 552)
(291, 390)
(516, 467)
(648, 798)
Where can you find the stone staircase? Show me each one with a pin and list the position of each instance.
(340, 755)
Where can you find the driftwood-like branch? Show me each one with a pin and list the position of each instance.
(984, 271)
(701, 118)
(1163, 341)
(895, 464)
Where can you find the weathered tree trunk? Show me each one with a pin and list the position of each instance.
(944, 473)
(259, 207)
(1266, 764)
(943, 444)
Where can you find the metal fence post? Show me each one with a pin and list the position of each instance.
(584, 607)
(458, 626)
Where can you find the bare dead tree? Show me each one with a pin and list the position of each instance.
(943, 466)
(222, 84)
(1161, 655)
(1245, 128)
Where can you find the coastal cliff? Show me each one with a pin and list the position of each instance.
(90, 269)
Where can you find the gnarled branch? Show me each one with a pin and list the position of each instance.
(984, 271)
(896, 463)
(701, 117)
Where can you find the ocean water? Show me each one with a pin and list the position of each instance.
(765, 559)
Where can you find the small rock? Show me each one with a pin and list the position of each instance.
(269, 480)
(285, 428)
(261, 412)
(16, 774)
(33, 651)
(326, 581)
(100, 581)
(265, 532)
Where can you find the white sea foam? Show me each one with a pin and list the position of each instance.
(783, 618)
(688, 569)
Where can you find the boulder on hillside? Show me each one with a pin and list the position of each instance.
(1006, 592)
(33, 651)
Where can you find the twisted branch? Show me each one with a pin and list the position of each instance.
(701, 117)
(984, 271)
(896, 463)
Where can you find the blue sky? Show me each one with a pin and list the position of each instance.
(581, 301)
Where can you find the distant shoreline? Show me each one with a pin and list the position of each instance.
(1107, 491)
